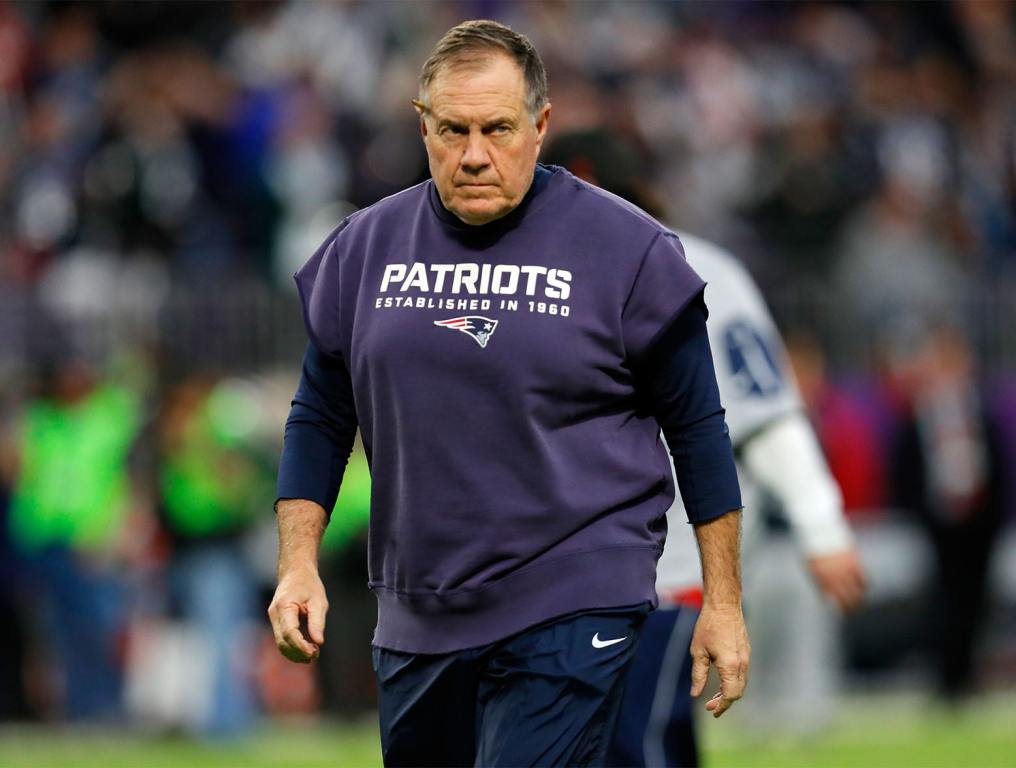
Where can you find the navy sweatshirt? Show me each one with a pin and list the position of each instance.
(509, 382)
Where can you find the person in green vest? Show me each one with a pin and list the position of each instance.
(69, 505)
(211, 487)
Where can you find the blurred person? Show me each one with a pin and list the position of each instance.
(14, 59)
(949, 469)
(69, 507)
(159, 180)
(520, 485)
(810, 176)
(902, 253)
(209, 489)
(777, 453)
(55, 127)
(779, 461)
(854, 420)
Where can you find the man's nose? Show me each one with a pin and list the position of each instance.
(476, 157)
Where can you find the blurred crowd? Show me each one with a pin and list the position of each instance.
(165, 166)
(137, 552)
(859, 156)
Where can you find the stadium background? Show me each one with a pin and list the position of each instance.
(164, 167)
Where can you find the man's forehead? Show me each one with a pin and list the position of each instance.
(491, 83)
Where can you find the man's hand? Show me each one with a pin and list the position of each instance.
(720, 638)
(840, 577)
(720, 635)
(300, 594)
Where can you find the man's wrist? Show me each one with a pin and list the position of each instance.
(719, 549)
(296, 562)
(725, 603)
(301, 526)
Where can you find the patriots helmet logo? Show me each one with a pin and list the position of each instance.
(480, 328)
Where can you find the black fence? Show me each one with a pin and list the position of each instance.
(252, 325)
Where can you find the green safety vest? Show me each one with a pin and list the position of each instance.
(72, 487)
(211, 484)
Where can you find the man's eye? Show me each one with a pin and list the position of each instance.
(501, 129)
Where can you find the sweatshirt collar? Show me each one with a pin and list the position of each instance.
(541, 180)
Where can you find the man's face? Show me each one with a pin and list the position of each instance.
(481, 140)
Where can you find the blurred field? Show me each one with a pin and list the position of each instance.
(276, 745)
(877, 731)
(871, 732)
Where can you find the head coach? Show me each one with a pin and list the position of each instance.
(510, 341)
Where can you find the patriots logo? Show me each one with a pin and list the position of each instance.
(480, 328)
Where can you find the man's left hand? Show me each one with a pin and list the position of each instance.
(720, 638)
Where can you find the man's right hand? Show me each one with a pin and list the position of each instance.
(300, 595)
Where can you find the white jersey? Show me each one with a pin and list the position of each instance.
(760, 395)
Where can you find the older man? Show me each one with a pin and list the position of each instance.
(509, 340)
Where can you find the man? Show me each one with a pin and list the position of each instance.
(949, 469)
(510, 341)
(777, 452)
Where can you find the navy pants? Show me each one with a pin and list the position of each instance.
(655, 726)
(547, 696)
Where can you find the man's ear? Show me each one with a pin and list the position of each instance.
(542, 123)
(421, 110)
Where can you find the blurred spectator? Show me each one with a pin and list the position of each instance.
(948, 469)
(895, 262)
(211, 491)
(69, 506)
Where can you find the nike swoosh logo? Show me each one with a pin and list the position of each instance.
(598, 643)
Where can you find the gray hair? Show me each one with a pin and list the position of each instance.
(473, 42)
